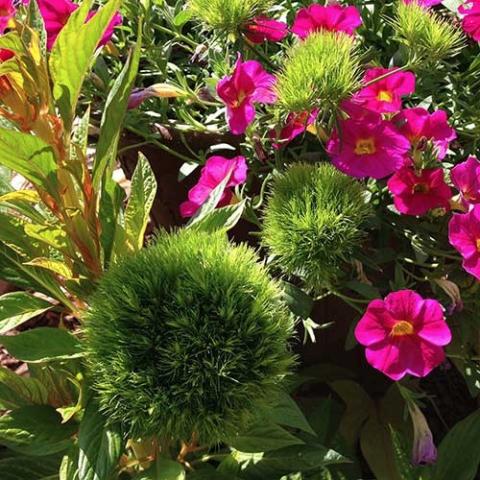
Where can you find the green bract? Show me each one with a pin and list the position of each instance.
(425, 34)
(188, 336)
(313, 222)
(320, 71)
(227, 15)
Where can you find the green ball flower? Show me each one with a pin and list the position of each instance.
(188, 336)
(318, 72)
(227, 15)
(313, 222)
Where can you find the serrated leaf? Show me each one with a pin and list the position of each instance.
(19, 391)
(42, 344)
(263, 437)
(137, 212)
(18, 307)
(72, 54)
(100, 446)
(35, 430)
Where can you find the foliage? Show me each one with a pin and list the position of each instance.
(211, 321)
(320, 71)
(313, 223)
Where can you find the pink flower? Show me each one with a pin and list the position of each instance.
(404, 334)
(7, 12)
(333, 18)
(466, 178)
(418, 125)
(263, 29)
(296, 124)
(385, 95)
(216, 169)
(424, 3)
(368, 147)
(471, 19)
(464, 235)
(56, 13)
(248, 84)
(418, 193)
(6, 54)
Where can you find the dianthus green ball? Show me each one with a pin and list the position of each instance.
(189, 336)
(313, 222)
(227, 15)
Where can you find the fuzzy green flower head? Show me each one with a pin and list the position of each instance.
(227, 15)
(188, 336)
(426, 35)
(320, 71)
(313, 222)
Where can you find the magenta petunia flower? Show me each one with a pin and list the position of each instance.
(384, 95)
(404, 334)
(7, 12)
(333, 18)
(471, 18)
(464, 235)
(466, 178)
(418, 193)
(56, 13)
(296, 124)
(419, 126)
(216, 169)
(424, 3)
(262, 29)
(368, 147)
(248, 84)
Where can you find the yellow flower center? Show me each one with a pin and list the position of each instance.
(365, 146)
(384, 96)
(421, 188)
(478, 244)
(402, 328)
(239, 100)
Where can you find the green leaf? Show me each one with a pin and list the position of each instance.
(72, 54)
(137, 212)
(263, 437)
(69, 465)
(286, 412)
(48, 234)
(29, 468)
(163, 469)
(366, 291)
(224, 218)
(29, 156)
(100, 446)
(35, 20)
(35, 430)
(298, 301)
(13, 270)
(18, 307)
(42, 344)
(293, 459)
(114, 114)
(19, 391)
(458, 454)
(212, 200)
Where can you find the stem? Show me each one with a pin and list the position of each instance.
(158, 144)
(259, 53)
(386, 75)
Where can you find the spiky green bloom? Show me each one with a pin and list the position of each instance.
(426, 35)
(318, 72)
(190, 335)
(227, 15)
(313, 222)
